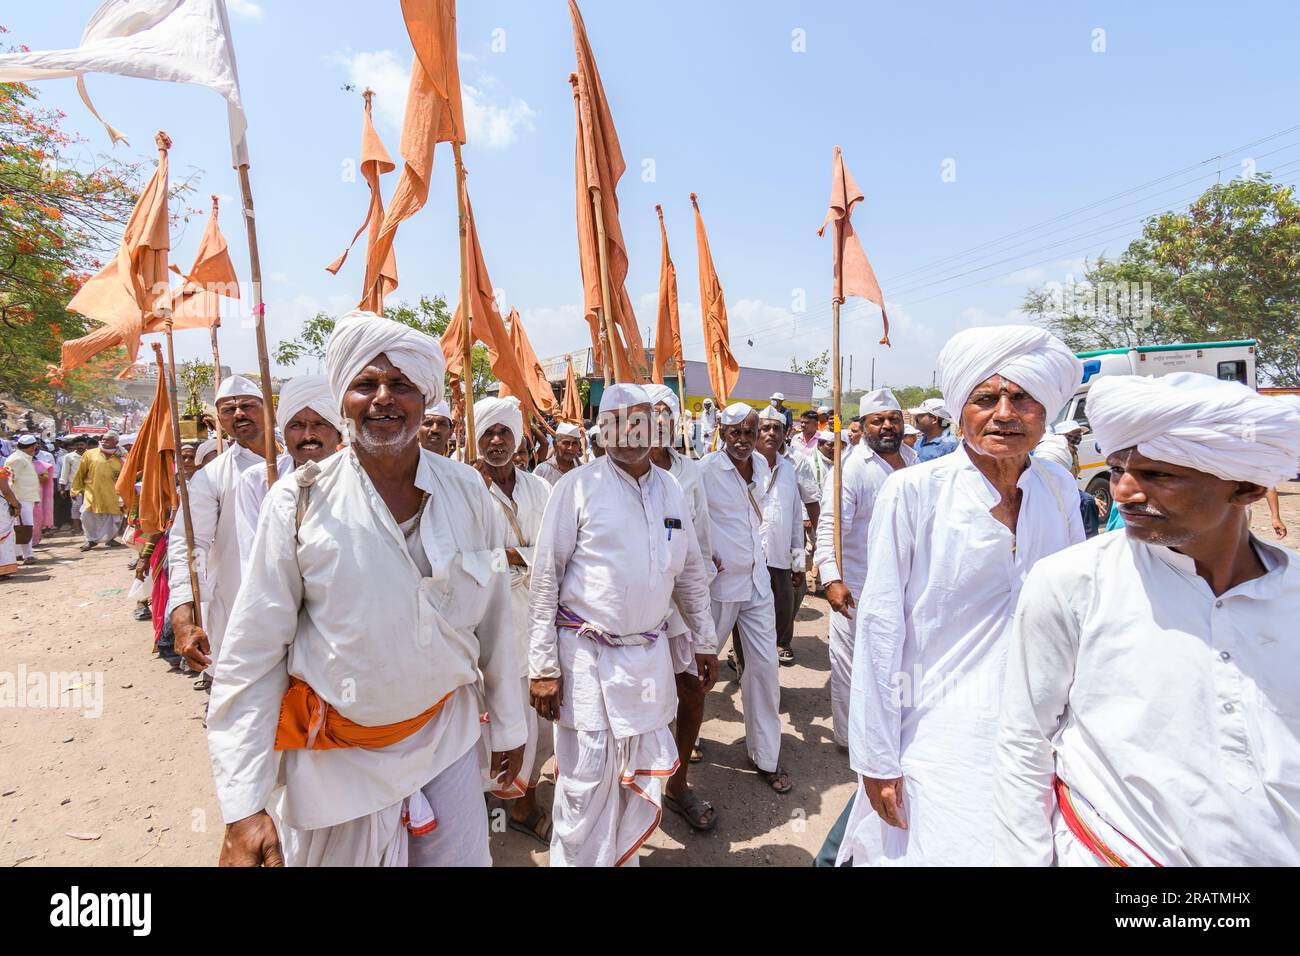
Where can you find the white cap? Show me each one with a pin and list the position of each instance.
(622, 395)
(910, 430)
(26, 440)
(778, 396)
(823, 408)
(881, 400)
(708, 401)
(825, 435)
(770, 414)
(440, 410)
(663, 394)
(1065, 427)
(737, 412)
(931, 406)
(238, 385)
(567, 430)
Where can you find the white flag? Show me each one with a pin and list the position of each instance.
(180, 41)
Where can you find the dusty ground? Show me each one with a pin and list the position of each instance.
(132, 786)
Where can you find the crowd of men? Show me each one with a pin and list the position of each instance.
(391, 636)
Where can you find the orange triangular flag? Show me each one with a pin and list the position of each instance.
(538, 385)
(152, 461)
(486, 326)
(375, 161)
(194, 303)
(126, 292)
(724, 370)
(571, 411)
(600, 166)
(853, 273)
(433, 115)
(668, 331)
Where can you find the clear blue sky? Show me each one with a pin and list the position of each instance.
(1036, 122)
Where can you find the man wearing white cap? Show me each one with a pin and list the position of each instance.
(950, 543)
(312, 427)
(782, 530)
(617, 551)
(706, 428)
(26, 487)
(735, 480)
(568, 453)
(214, 511)
(593, 441)
(932, 418)
(435, 428)
(373, 630)
(521, 498)
(1149, 714)
(864, 475)
(787, 416)
(692, 685)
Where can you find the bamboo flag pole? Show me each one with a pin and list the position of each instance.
(611, 369)
(180, 471)
(467, 339)
(259, 318)
(216, 373)
(835, 422)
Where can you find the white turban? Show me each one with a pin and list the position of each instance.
(1221, 428)
(771, 414)
(662, 393)
(623, 395)
(1033, 358)
(439, 410)
(498, 411)
(204, 450)
(567, 430)
(737, 412)
(360, 337)
(307, 391)
(238, 385)
(1057, 449)
(881, 400)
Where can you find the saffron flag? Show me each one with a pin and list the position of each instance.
(600, 165)
(181, 41)
(668, 330)
(194, 303)
(433, 115)
(571, 411)
(375, 161)
(724, 370)
(853, 273)
(539, 387)
(152, 462)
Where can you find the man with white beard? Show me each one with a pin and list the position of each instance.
(950, 543)
(616, 552)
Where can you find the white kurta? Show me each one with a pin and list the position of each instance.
(687, 472)
(214, 513)
(782, 528)
(1173, 715)
(863, 477)
(943, 576)
(250, 488)
(345, 608)
(550, 471)
(607, 553)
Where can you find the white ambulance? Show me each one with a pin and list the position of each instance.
(1232, 361)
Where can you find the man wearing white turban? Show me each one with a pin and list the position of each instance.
(883, 453)
(617, 551)
(214, 511)
(1149, 712)
(736, 478)
(695, 673)
(950, 543)
(567, 456)
(312, 426)
(521, 497)
(372, 631)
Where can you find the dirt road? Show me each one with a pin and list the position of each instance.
(112, 768)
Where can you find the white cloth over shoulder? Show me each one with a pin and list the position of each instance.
(1033, 358)
(1221, 428)
(307, 391)
(359, 337)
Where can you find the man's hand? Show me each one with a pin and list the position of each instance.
(506, 765)
(544, 693)
(1103, 509)
(796, 579)
(251, 841)
(191, 641)
(141, 569)
(886, 798)
(840, 598)
(707, 665)
(1279, 528)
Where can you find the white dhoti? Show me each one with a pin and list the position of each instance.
(459, 836)
(841, 653)
(97, 527)
(760, 684)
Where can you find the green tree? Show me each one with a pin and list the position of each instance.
(818, 368)
(1227, 267)
(430, 316)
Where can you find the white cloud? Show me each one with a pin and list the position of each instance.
(248, 9)
(976, 315)
(491, 121)
(1031, 276)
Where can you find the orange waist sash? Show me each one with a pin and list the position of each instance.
(309, 723)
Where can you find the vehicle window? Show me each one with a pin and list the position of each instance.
(1233, 371)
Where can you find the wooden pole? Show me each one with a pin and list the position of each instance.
(611, 369)
(174, 408)
(259, 318)
(216, 378)
(835, 423)
(467, 337)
